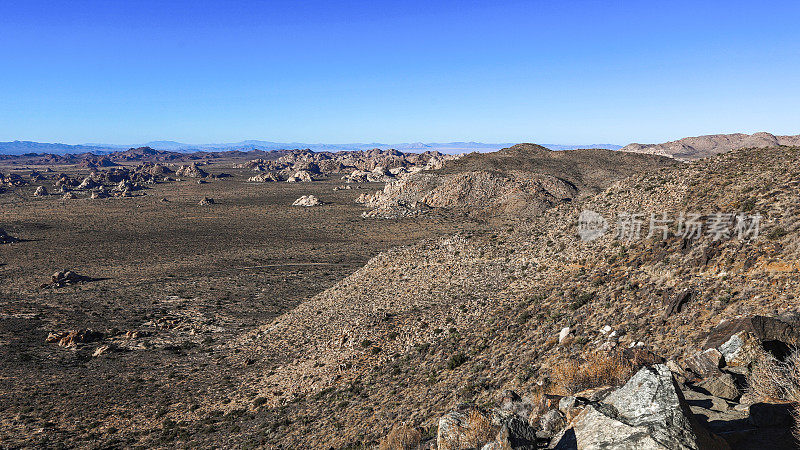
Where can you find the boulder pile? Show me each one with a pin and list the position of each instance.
(73, 338)
(307, 200)
(191, 171)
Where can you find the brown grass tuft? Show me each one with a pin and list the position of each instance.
(598, 369)
(778, 381)
(402, 437)
(479, 429)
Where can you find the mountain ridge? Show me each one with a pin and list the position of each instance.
(696, 147)
(21, 147)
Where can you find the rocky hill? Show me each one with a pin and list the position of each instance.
(520, 181)
(691, 148)
(422, 329)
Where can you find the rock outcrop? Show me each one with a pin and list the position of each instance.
(307, 200)
(521, 181)
(191, 171)
(300, 176)
(264, 178)
(648, 412)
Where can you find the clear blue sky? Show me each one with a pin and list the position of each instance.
(326, 71)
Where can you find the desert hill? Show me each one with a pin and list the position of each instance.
(520, 181)
(691, 148)
(420, 329)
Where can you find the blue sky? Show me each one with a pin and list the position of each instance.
(321, 71)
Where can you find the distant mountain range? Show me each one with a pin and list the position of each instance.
(22, 147)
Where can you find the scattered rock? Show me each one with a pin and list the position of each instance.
(741, 349)
(722, 386)
(307, 200)
(103, 349)
(40, 191)
(563, 334)
(87, 183)
(206, 201)
(74, 337)
(706, 363)
(66, 278)
(552, 422)
(69, 196)
(676, 304)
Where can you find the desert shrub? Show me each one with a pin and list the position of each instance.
(581, 299)
(456, 360)
(747, 204)
(775, 380)
(479, 428)
(598, 369)
(474, 431)
(401, 437)
(777, 233)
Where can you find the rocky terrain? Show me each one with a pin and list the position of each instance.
(422, 329)
(153, 321)
(118, 304)
(520, 181)
(691, 148)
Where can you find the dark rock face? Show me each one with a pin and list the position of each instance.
(676, 304)
(777, 335)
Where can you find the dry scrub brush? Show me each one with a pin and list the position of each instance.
(402, 437)
(474, 431)
(598, 369)
(775, 380)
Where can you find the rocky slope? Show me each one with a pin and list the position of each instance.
(520, 181)
(691, 148)
(422, 328)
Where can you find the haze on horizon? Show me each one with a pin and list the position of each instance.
(509, 71)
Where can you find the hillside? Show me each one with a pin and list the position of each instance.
(520, 181)
(422, 328)
(691, 148)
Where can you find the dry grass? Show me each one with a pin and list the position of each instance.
(475, 431)
(402, 437)
(777, 381)
(479, 429)
(598, 369)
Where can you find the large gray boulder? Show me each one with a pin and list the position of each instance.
(648, 412)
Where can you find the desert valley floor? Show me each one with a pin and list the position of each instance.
(187, 278)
